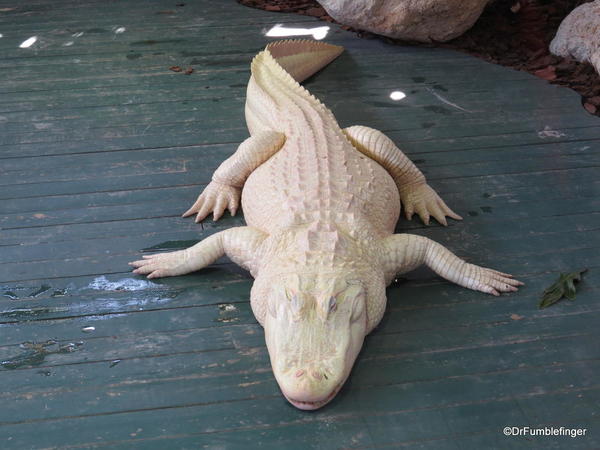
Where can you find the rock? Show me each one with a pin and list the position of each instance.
(579, 35)
(412, 20)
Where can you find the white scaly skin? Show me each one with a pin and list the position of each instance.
(321, 204)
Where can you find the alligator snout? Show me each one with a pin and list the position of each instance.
(310, 387)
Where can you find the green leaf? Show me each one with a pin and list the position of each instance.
(551, 295)
(564, 286)
(570, 290)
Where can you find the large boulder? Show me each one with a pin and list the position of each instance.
(578, 36)
(412, 20)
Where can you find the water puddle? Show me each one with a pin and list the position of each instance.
(21, 292)
(126, 284)
(43, 288)
(25, 314)
(120, 295)
(34, 353)
(59, 293)
(138, 293)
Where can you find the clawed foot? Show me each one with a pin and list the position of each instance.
(491, 281)
(423, 200)
(163, 264)
(216, 198)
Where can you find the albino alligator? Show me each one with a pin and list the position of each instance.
(321, 204)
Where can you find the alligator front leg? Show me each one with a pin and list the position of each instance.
(240, 244)
(225, 189)
(405, 252)
(416, 195)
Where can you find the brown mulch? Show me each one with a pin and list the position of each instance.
(512, 33)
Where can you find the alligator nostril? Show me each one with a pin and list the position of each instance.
(299, 373)
(317, 375)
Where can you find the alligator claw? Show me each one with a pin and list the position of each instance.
(423, 200)
(216, 198)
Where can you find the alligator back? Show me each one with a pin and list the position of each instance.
(318, 176)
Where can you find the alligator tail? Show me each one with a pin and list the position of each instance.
(302, 58)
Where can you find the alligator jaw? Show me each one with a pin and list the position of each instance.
(309, 406)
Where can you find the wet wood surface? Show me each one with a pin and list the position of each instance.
(102, 147)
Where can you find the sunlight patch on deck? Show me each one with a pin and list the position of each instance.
(280, 31)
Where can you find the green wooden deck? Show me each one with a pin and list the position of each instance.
(102, 148)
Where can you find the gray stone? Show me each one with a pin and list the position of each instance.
(578, 36)
(413, 20)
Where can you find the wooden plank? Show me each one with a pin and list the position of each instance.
(61, 246)
(63, 164)
(442, 165)
(46, 125)
(71, 302)
(100, 252)
(184, 178)
(253, 413)
(171, 89)
(512, 121)
(526, 242)
(97, 264)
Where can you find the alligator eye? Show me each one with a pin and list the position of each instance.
(332, 304)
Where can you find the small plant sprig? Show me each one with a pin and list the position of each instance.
(563, 287)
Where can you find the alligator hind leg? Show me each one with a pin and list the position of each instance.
(416, 195)
(225, 189)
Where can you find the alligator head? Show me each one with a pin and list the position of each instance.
(314, 328)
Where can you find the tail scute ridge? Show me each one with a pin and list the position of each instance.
(302, 58)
